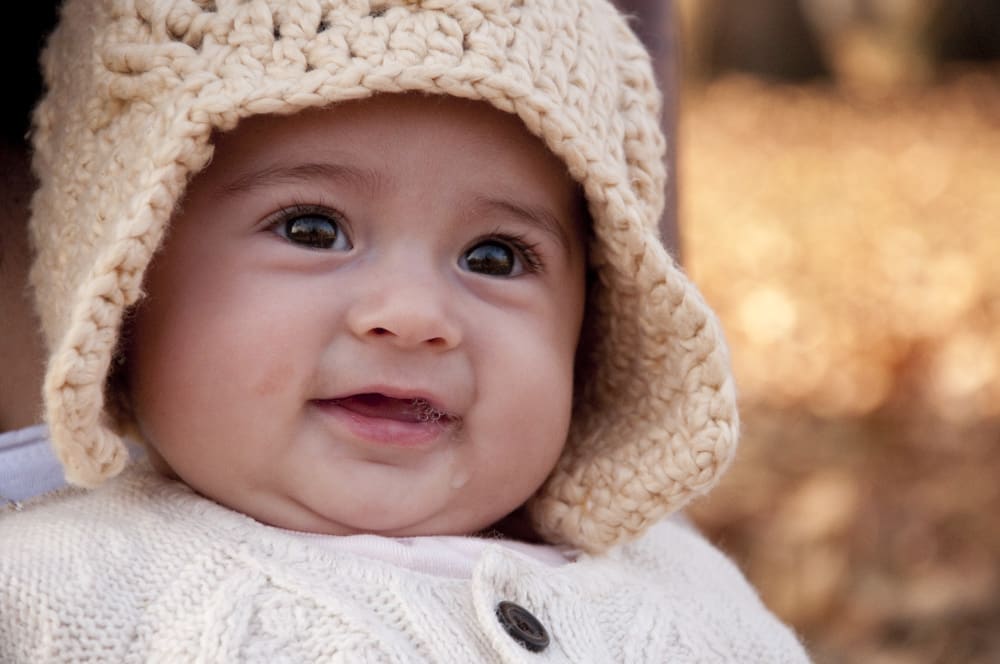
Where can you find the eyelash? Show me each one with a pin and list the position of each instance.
(289, 212)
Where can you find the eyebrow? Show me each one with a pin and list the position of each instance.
(307, 172)
(539, 217)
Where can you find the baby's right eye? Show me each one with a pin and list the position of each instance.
(314, 230)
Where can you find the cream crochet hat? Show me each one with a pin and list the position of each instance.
(136, 88)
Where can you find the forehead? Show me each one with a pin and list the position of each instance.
(387, 125)
(436, 147)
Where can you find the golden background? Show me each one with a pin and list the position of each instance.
(847, 231)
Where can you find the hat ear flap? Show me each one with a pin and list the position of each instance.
(655, 421)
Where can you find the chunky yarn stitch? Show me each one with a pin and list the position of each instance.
(137, 87)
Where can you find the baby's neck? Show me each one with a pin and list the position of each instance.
(514, 526)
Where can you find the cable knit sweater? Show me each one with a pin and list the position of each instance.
(144, 570)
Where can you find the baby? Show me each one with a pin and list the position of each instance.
(377, 286)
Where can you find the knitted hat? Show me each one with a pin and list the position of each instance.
(136, 88)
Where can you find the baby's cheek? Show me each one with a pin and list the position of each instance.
(275, 380)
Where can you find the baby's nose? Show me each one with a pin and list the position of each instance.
(408, 313)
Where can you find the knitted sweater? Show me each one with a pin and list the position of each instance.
(144, 570)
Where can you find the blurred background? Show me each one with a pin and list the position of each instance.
(839, 201)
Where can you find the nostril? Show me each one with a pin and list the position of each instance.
(430, 341)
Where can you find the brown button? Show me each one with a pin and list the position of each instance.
(522, 626)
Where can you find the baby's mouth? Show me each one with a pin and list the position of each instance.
(375, 405)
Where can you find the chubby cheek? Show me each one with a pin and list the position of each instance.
(537, 384)
(213, 378)
(527, 429)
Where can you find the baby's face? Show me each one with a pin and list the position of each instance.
(364, 319)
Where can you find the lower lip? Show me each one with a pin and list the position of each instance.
(385, 431)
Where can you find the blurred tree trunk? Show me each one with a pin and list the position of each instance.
(967, 30)
(770, 38)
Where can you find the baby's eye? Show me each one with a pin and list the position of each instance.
(498, 259)
(314, 230)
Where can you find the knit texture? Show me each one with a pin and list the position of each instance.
(136, 89)
(144, 570)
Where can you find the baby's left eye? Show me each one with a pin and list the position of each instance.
(493, 258)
